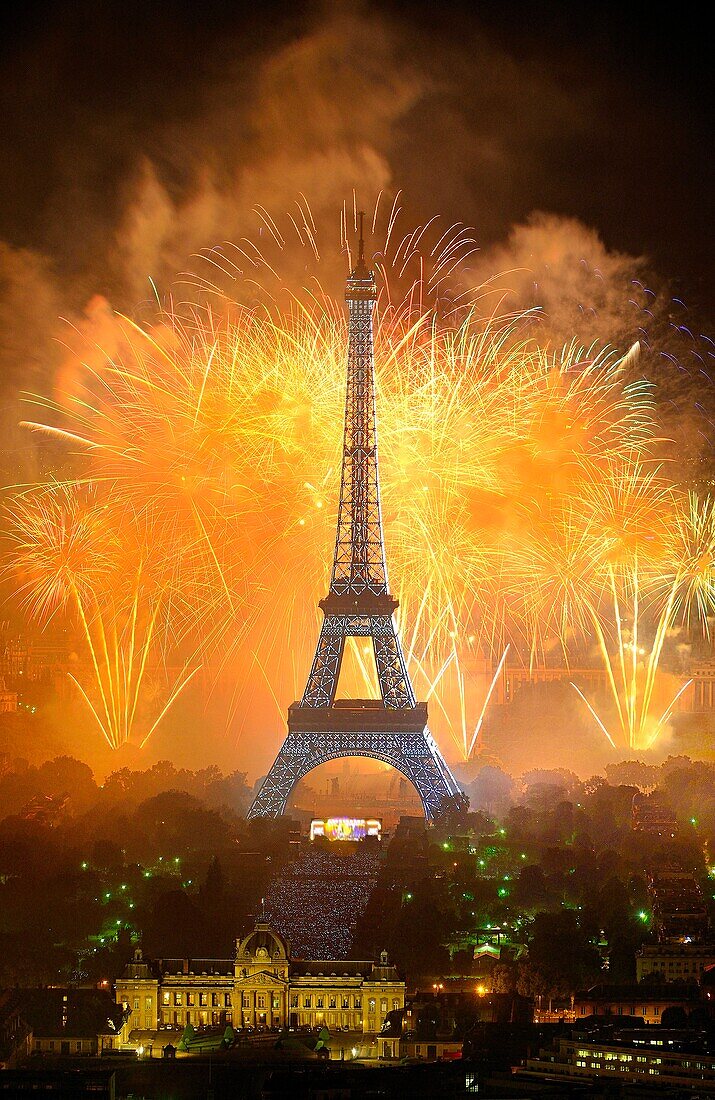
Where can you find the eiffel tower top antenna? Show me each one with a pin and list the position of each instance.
(361, 254)
(361, 269)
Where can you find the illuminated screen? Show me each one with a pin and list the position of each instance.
(345, 828)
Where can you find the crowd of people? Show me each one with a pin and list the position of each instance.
(316, 899)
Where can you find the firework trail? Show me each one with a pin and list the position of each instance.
(522, 495)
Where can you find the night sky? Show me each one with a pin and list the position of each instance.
(482, 112)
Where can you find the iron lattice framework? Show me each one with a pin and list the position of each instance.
(359, 604)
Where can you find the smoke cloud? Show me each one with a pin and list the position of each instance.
(166, 136)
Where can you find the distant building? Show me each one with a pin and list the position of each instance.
(700, 695)
(674, 961)
(392, 1047)
(679, 907)
(651, 814)
(622, 1061)
(64, 1084)
(15, 1033)
(68, 1021)
(8, 699)
(634, 1001)
(262, 987)
(514, 678)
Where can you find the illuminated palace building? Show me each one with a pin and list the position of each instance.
(262, 987)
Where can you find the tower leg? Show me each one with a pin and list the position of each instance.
(325, 670)
(395, 686)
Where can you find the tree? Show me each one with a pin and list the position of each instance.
(674, 1016)
(504, 978)
(492, 790)
(633, 773)
(530, 889)
(212, 889)
(67, 776)
(107, 855)
(175, 928)
(560, 951)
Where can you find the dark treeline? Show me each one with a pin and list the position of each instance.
(557, 865)
(165, 857)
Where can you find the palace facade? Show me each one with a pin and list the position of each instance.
(262, 987)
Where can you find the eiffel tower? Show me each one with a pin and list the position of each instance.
(359, 605)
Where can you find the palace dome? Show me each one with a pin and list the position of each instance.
(263, 942)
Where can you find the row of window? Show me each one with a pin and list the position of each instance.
(618, 1056)
(262, 1000)
(614, 1067)
(179, 998)
(218, 1000)
(178, 1019)
(307, 1001)
(78, 1045)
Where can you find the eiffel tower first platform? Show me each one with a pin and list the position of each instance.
(321, 727)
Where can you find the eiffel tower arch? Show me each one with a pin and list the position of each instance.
(394, 728)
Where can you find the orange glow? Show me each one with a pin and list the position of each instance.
(191, 526)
